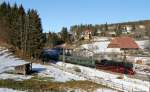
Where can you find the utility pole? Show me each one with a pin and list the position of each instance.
(64, 57)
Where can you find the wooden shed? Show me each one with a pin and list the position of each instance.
(24, 68)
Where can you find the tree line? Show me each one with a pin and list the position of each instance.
(115, 27)
(53, 38)
(23, 30)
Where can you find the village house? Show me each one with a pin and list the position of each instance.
(87, 34)
(128, 28)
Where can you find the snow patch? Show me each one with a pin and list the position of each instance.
(14, 77)
(57, 74)
(9, 90)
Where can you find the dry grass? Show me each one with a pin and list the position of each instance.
(81, 84)
(50, 85)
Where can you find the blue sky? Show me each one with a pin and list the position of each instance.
(58, 13)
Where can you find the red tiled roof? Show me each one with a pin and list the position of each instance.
(123, 42)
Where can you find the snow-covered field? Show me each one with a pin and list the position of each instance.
(57, 74)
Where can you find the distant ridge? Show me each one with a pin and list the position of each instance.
(139, 22)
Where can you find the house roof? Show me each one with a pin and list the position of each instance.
(87, 30)
(123, 42)
(24, 63)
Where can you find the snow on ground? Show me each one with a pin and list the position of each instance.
(74, 90)
(100, 46)
(143, 70)
(97, 90)
(95, 38)
(14, 76)
(105, 90)
(57, 74)
(9, 90)
(143, 43)
(8, 62)
(135, 58)
(126, 83)
(89, 71)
